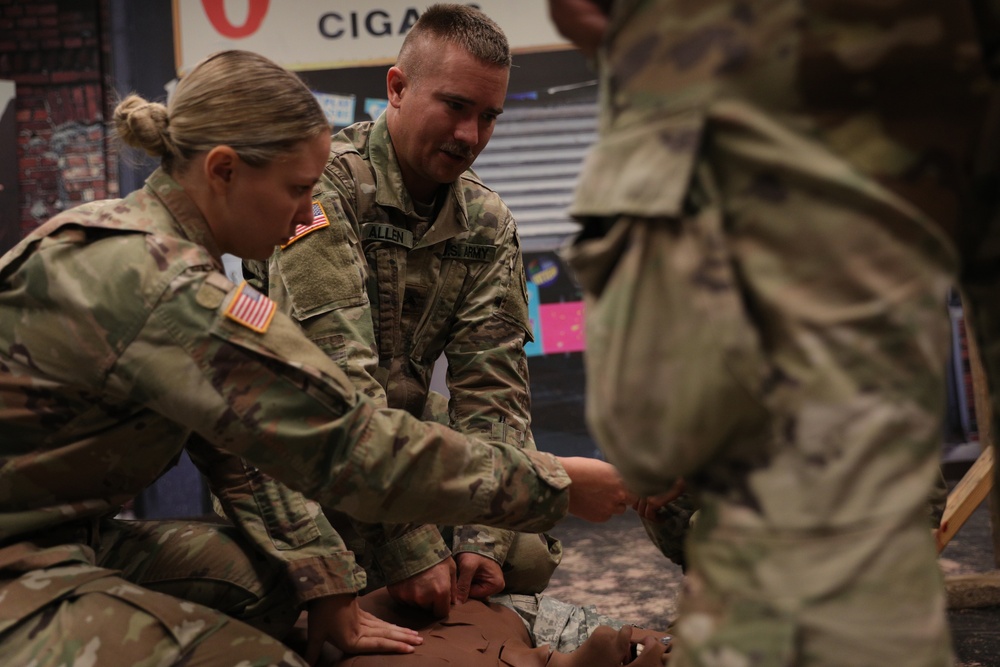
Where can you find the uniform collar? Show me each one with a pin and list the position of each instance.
(452, 218)
(190, 221)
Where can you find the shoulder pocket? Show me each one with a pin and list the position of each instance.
(323, 270)
(292, 356)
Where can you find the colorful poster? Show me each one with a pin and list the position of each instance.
(555, 305)
(374, 107)
(534, 348)
(562, 327)
(339, 109)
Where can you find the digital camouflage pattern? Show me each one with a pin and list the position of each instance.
(386, 288)
(115, 348)
(551, 622)
(771, 218)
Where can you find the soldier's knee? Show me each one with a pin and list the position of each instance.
(112, 622)
(530, 562)
(240, 644)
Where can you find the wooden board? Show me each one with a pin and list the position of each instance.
(967, 495)
(984, 424)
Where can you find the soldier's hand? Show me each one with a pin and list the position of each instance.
(607, 647)
(652, 650)
(434, 589)
(478, 576)
(598, 492)
(649, 507)
(339, 619)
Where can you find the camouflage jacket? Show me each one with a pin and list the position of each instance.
(883, 103)
(451, 282)
(118, 331)
(804, 168)
(898, 92)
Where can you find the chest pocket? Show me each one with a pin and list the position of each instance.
(323, 270)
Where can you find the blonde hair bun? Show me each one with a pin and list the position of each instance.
(144, 125)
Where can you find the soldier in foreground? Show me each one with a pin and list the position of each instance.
(772, 216)
(121, 341)
(411, 257)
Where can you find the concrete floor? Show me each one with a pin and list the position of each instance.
(616, 568)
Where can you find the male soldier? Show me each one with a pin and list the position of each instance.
(770, 226)
(120, 338)
(398, 212)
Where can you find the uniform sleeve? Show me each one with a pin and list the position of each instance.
(319, 280)
(275, 399)
(488, 370)
(403, 550)
(286, 527)
(344, 571)
(487, 365)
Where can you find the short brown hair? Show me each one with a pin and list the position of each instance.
(465, 26)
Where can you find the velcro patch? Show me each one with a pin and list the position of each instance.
(213, 291)
(470, 252)
(318, 222)
(375, 231)
(251, 308)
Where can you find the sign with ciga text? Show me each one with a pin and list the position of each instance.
(325, 34)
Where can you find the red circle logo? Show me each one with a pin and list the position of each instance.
(215, 10)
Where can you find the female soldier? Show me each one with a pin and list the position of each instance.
(120, 338)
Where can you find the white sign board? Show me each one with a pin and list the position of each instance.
(324, 34)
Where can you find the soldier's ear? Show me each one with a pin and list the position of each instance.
(220, 165)
(396, 83)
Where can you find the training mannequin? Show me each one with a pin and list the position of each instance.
(486, 634)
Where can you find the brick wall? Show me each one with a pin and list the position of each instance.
(56, 52)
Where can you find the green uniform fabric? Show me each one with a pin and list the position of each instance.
(115, 347)
(770, 225)
(670, 528)
(445, 280)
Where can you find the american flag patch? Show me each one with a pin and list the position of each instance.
(318, 222)
(251, 309)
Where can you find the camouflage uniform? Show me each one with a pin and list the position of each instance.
(445, 281)
(118, 332)
(561, 626)
(769, 224)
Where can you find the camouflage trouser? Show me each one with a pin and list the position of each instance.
(156, 593)
(866, 598)
(781, 344)
(674, 520)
